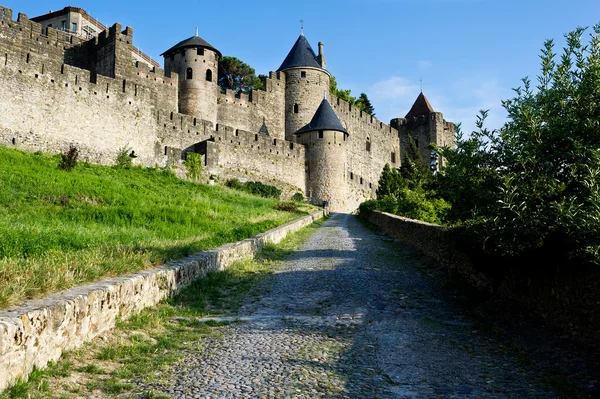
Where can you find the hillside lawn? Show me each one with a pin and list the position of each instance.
(60, 229)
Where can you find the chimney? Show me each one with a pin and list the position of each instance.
(321, 57)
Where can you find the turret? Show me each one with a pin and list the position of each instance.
(306, 80)
(424, 126)
(325, 139)
(196, 62)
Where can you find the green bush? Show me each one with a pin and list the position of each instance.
(193, 166)
(68, 161)
(255, 187)
(123, 159)
(298, 197)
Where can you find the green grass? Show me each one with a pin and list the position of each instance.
(146, 345)
(59, 229)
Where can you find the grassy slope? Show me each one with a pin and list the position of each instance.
(59, 229)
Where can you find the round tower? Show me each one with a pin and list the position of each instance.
(306, 80)
(196, 62)
(325, 140)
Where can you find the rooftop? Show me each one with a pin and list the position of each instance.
(324, 119)
(420, 107)
(194, 41)
(301, 55)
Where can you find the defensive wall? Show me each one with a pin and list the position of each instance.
(49, 104)
(564, 296)
(39, 331)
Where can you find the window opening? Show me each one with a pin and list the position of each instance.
(208, 75)
(200, 51)
(295, 108)
(393, 157)
(303, 74)
(189, 73)
(320, 134)
(74, 27)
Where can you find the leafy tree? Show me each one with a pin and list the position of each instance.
(193, 166)
(340, 93)
(238, 76)
(534, 183)
(363, 103)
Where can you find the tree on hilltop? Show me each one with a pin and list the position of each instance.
(238, 76)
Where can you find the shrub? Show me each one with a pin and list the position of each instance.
(123, 159)
(255, 187)
(286, 206)
(68, 161)
(193, 165)
(298, 197)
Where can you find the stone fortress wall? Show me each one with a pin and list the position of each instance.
(48, 104)
(58, 90)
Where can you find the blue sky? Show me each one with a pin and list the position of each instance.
(469, 53)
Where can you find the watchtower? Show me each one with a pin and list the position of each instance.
(306, 80)
(325, 140)
(196, 62)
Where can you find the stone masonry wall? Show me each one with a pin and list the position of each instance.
(365, 162)
(39, 331)
(249, 112)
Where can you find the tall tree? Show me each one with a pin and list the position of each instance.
(238, 76)
(363, 103)
(340, 93)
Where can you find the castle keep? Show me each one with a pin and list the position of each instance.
(60, 89)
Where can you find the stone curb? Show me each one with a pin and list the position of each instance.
(40, 330)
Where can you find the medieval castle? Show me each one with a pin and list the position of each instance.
(93, 91)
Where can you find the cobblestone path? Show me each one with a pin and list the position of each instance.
(351, 315)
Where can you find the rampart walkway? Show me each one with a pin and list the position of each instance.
(353, 315)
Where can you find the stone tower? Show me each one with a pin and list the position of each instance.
(424, 126)
(325, 140)
(196, 62)
(306, 81)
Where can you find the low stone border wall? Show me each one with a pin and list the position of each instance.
(40, 330)
(433, 241)
(567, 299)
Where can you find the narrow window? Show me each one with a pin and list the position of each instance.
(274, 141)
(124, 85)
(188, 73)
(208, 75)
(135, 91)
(73, 27)
(14, 141)
(295, 108)
(256, 137)
(291, 146)
(361, 180)
(303, 74)
(27, 60)
(5, 57)
(393, 157)
(200, 51)
(194, 121)
(165, 150)
(368, 145)
(63, 25)
(351, 176)
(320, 134)
(171, 116)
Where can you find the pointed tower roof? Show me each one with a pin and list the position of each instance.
(194, 41)
(301, 55)
(324, 119)
(420, 107)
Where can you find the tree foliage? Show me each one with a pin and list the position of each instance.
(534, 183)
(238, 76)
(363, 103)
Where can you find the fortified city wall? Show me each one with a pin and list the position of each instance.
(48, 104)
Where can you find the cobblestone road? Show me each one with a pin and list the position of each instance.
(353, 315)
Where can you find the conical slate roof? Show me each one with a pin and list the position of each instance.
(324, 119)
(420, 107)
(301, 55)
(194, 41)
